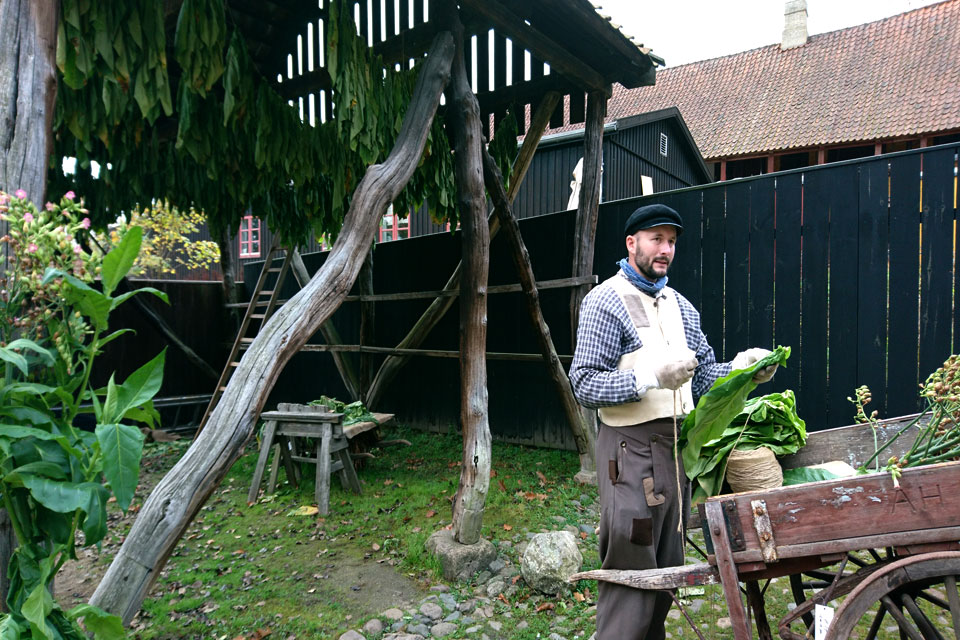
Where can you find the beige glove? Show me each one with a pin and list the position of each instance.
(746, 358)
(672, 375)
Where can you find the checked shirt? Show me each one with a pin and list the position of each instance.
(606, 333)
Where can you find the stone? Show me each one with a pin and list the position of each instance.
(497, 565)
(495, 587)
(419, 629)
(403, 636)
(483, 576)
(453, 617)
(448, 601)
(460, 561)
(431, 610)
(351, 635)
(587, 528)
(373, 627)
(549, 559)
(496, 626)
(472, 629)
(523, 624)
(442, 629)
(555, 636)
(393, 614)
(440, 588)
(724, 623)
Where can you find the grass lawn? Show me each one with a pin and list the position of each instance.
(251, 571)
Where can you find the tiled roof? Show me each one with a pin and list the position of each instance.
(895, 77)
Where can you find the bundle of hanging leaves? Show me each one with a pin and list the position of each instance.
(769, 421)
(198, 124)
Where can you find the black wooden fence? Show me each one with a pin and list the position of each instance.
(851, 264)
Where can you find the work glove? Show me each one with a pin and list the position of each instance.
(672, 375)
(746, 358)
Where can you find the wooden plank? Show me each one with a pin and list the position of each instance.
(936, 269)
(685, 270)
(760, 304)
(404, 15)
(872, 280)
(902, 376)
(868, 505)
(689, 575)
(854, 444)
(431, 353)
(711, 313)
(499, 60)
(377, 19)
(355, 429)
(268, 433)
(321, 488)
(842, 349)
(483, 65)
(559, 283)
(814, 256)
(418, 14)
(736, 272)
(788, 291)
(727, 570)
(578, 107)
(312, 417)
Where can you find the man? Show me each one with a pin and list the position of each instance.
(643, 361)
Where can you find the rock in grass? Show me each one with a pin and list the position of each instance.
(352, 635)
(460, 561)
(442, 629)
(549, 559)
(373, 627)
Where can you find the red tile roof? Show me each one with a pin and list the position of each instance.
(895, 77)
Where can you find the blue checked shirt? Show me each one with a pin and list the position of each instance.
(606, 333)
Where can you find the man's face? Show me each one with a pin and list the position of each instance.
(650, 251)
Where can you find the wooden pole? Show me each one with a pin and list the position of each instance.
(367, 319)
(438, 308)
(464, 129)
(582, 434)
(589, 205)
(331, 336)
(179, 495)
(28, 92)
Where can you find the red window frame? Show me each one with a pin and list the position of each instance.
(249, 237)
(393, 227)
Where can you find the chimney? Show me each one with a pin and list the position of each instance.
(794, 24)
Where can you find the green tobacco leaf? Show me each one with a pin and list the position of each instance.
(38, 468)
(104, 625)
(9, 629)
(90, 302)
(15, 359)
(14, 431)
(718, 407)
(109, 412)
(117, 263)
(140, 386)
(22, 343)
(807, 474)
(116, 334)
(36, 608)
(62, 497)
(94, 525)
(128, 294)
(122, 446)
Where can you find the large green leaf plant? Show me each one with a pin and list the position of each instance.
(56, 478)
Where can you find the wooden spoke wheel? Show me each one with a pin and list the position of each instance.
(803, 585)
(900, 587)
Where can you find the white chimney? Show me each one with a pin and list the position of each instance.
(794, 24)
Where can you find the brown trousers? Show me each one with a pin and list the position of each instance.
(639, 509)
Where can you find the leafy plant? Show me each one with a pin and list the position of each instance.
(352, 413)
(767, 421)
(55, 478)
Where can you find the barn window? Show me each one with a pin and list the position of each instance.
(664, 143)
(249, 237)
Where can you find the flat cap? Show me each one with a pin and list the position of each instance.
(652, 215)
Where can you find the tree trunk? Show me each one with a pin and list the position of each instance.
(367, 316)
(585, 231)
(28, 91)
(342, 360)
(438, 308)
(227, 265)
(179, 495)
(467, 142)
(582, 433)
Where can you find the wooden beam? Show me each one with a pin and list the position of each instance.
(558, 56)
(429, 353)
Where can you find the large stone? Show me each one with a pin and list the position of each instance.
(549, 559)
(460, 561)
(351, 635)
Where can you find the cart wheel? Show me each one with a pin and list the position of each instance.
(898, 587)
(804, 585)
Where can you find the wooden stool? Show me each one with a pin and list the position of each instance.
(286, 430)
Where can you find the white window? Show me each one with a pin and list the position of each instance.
(664, 143)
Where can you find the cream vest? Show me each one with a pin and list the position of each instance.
(660, 328)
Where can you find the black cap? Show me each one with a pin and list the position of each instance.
(652, 215)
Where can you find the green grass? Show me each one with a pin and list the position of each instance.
(244, 571)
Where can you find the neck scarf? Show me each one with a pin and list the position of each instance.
(637, 280)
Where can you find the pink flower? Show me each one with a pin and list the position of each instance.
(76, 248)
(4, 198)
(50, 206)
(20, 193)
(69, 195)
(28, 217)
(85, 223)
(32, 248)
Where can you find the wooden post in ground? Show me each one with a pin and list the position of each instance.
(582, 434)
(28, 91)
(464, 129)
(343, 361)
(438, 308)
(367, 319)
(179, 495)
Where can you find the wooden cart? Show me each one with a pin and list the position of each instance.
(888, 543)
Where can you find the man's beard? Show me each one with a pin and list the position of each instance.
(646, 270)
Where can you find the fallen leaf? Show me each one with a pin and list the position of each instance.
(502, 486)
(376, 547)
(305, 510)
(514, 579)
(583, 535)
(578, 596)
(545, 606)
(493, 473)
(431, 513)
(543, 478)
(586, 593)
(508, 527)
(503, 598)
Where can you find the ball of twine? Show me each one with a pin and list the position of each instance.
(754, 469)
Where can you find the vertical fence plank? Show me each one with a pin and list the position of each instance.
(788, 291)
(483, 63)
(813, 328)
(736, 274)
(376, 6)
(711, 313)
(904, 291)
(873, 221)
(842, 309)
(760, 304)
(390, 19)
(936, 269)
(685, 272)
(499, 61)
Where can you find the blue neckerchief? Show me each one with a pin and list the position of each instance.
(637, 280)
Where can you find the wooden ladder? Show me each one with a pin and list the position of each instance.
(263, 302)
